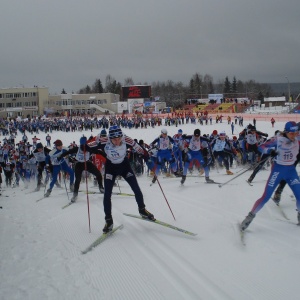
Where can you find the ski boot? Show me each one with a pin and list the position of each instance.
(37, 188)
(250, 178)
(72, 187)
(47, 194)
(74, 198)
(228, 172)
(146, 214)
(247, 221)
(183, 179)
(154, 179)
(208, 180)
(108, 225)
(276, 198)
(101, 189)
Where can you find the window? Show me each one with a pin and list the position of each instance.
(8, 104)
(8, 95)
(33, 103)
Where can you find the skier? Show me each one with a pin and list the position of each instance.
(263, 160)
(117, 164)
(58, 166)
(221, 150)
(48, 140)
(177, 150)
(40, 154)
(83, 163)
(164, 145)
(194, 154)
(285, 154)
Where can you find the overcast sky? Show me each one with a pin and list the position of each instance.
(68, 44)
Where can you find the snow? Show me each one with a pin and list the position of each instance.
(41, 243)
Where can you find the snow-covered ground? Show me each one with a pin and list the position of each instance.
(41, 243)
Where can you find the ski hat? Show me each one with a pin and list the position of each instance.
(215, 132)
(58, 143)
(223, 133)
(39, 146)
(82, 140)
(103, 132)
(164, 131)
(115, 132)
(234, 138)
(291, 126)
(197, 132)
(180, 131)
(250, 127)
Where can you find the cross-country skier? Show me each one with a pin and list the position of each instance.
(58, 165)
(196, 144)
(117, 164)
(284, 147)
(83, 163)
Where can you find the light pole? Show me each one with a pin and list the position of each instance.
(289, 89)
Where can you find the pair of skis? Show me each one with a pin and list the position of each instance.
(104, 236)
(281, 211)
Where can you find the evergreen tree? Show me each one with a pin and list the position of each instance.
(226, 87)
(97, 87)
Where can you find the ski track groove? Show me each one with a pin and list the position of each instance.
(209, 290)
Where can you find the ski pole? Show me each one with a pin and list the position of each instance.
(65, 183)
(248, 169)
(118, 186)
(87, 190)
(164, 196)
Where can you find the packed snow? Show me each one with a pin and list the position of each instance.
(41, 243)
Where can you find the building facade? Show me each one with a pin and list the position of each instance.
(22, 102)
(33, 102)
(81, 104)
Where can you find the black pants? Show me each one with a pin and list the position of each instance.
(91, 168)
(40, 169)
(111, 172)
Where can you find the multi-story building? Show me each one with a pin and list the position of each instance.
(81, 104)
(23, 102)
(33, 102)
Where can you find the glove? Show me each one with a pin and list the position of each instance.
(273, 153)
(82, 140)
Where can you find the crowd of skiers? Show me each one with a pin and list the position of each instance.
(112, 154)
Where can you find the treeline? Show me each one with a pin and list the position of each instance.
(175, 94)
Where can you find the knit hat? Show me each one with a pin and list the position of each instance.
(291, 126)
(197, 132)
(58, 143)
(115, 132)
(39, 146)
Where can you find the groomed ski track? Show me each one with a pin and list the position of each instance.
(41, 244)
(144, 261)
